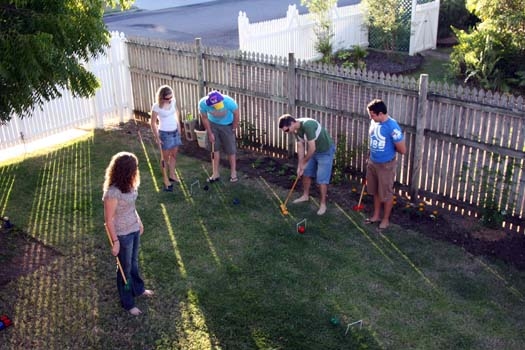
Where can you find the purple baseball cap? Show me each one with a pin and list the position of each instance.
(215, 99)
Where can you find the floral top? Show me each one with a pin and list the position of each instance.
(126, 218)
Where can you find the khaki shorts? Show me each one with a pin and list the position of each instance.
(380, 179)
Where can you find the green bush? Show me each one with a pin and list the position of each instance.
(491, 55)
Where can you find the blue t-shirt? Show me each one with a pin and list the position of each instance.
(229, 107)
(382, 137)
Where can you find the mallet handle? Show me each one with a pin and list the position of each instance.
(116, 257)
(362, 192)
(291, 191)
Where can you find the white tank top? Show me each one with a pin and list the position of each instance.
(167, 117)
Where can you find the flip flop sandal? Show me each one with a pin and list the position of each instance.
(212, 180)
(234, 179)
(370, 222)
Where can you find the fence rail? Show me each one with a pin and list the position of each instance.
(456, 138)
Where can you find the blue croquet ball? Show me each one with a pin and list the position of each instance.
(7, 223)
(236, 201)
(2, 326)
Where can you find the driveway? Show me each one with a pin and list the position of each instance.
(214, 21)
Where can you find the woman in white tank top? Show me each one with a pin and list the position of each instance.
(166, 131)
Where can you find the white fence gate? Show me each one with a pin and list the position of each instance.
(424, 27)
(113, 102)
(295, 33)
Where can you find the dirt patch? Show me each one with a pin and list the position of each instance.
(21, 254)
(392, 63)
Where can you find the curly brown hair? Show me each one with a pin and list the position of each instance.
(122, 172)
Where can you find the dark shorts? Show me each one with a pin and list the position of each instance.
(224, 139)
(170, 139)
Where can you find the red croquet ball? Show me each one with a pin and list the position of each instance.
(301, 229)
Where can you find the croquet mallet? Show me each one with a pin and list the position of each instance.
(359, 206)
(126, 286)
(163, 164)
(283, 205)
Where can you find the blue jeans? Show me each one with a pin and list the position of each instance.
(129, 259)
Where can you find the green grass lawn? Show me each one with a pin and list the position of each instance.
(436, 66)
(237, 276)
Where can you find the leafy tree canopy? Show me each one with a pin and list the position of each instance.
(492, 54)
(44, 44)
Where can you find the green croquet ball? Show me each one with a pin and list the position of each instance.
(334, 320)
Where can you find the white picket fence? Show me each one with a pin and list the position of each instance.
(295, 32)
(112, 103)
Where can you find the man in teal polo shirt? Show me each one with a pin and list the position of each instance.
(220, 116)
(315, 153)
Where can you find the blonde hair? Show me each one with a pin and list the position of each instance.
(162, 92)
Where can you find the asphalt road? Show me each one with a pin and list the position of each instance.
(215, 22)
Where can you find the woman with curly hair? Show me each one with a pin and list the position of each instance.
(123, 223)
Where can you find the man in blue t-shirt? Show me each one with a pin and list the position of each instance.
(386, 139)
(220, 116)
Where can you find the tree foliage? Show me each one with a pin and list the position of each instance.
(320, 12)
(388, 23)
(491, 55)
(44, 44)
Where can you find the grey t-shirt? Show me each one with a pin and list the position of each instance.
(126, 220)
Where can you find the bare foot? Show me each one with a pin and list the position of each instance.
(135, 311)
(301, 199)
(383, 225)
(148, 293)
(322, 209)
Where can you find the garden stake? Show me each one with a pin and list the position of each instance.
(283, 205)
(359, 206)
(126, 284)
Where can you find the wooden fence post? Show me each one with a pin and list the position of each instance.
(291, 99)
(200, 69)
(200, 72)
(419, 144)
